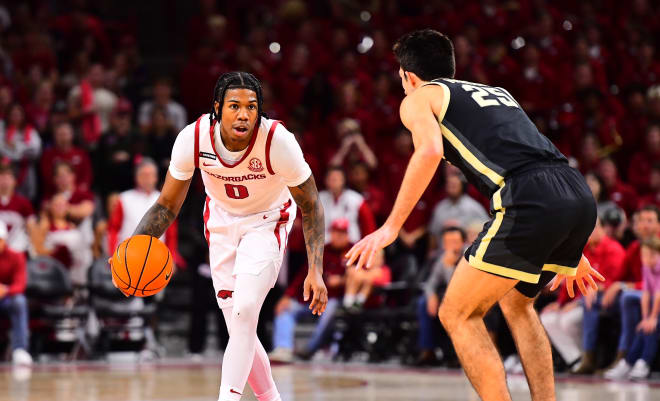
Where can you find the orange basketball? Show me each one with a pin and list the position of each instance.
(142, 266)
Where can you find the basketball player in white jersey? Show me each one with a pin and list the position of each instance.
(254, 174)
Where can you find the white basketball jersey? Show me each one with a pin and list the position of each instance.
(249, 185)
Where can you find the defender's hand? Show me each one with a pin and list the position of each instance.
(584, 273)
(367, 247)
(314, 284)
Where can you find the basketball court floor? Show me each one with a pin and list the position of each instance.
(180, 380)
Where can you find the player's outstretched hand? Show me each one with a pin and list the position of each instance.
(584, 273)
(367, 247)
(314, 285)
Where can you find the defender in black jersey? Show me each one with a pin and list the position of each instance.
(542, 211)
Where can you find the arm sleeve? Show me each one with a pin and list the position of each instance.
(287, 158)
(182, 162)
(20, 276)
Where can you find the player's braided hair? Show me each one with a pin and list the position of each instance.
(236, 80)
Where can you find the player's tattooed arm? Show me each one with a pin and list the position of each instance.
(307, 197)
(156, 221)
(159, 217)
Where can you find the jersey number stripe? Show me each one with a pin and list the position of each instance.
(480, 93)
(236, 191)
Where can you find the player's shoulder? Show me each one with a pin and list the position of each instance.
(280, 131)
(189, 130)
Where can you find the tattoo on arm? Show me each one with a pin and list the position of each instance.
(157, 219)
(307, 197)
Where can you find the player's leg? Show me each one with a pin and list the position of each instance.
(249, 294)
(260, 377)
(471, 293)
(530, 337)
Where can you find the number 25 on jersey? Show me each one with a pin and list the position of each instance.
(487, 96)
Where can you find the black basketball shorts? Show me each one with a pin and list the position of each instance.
(542, 218)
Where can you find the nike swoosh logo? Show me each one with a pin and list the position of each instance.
(207, 165)
(265, 217)
(234, 391)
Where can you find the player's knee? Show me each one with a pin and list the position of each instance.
(515, 304)
(449, 315)
(245, 314)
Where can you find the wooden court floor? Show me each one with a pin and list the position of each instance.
(183, 381)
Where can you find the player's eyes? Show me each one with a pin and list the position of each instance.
(252, 107)
(233, 106)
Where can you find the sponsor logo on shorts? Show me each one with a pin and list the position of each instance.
(255, 165)
(234, 391)
(224, 294)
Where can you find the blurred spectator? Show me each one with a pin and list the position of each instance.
(21, 144)
(91, 104)
(341, 202)
(353, 147)
(13, 276)
(162, 98)
(394, 163)
(653, 197)
(161, 136)
(38, 111)
(80, 201)
(55, 236)
(598, 190)
(622, 292)
(15, 211)
(639, 170)
(63, 150)
(117, 152)
(360, 283)
(360, 180)
(132, 206)
(457, 208)
(653, 99)
(535, 88)
(563, 319)
(619, 192)
(453, 242)
(292, 307)
(639, 358)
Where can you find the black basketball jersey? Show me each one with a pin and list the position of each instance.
(487, 135)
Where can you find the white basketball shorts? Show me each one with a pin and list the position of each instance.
(248, 244)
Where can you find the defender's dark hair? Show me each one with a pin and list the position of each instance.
(427, 53)
(236, 80)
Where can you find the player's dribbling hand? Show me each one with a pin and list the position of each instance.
(367, 247)
(314, 285)
(584, 273)
(113, 279)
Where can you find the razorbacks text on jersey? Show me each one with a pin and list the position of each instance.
(258, 181)
(487, 135)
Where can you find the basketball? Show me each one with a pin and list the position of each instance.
(142, 266)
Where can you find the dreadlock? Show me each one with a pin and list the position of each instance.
(236, 80)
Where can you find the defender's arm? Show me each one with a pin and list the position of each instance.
(418, 116)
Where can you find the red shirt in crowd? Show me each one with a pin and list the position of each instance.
(334, 264)
(13, 271)
(76, 157)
